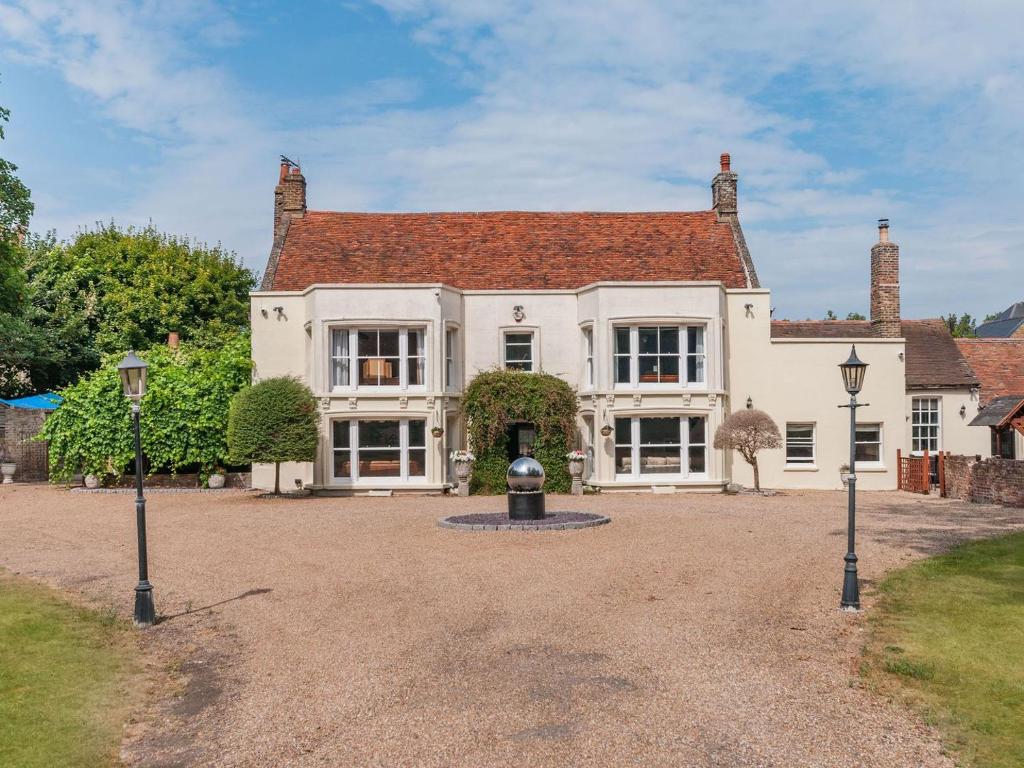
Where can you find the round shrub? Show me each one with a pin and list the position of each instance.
(273, 421)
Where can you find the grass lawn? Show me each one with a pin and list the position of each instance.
(63, 675)
(949, 633)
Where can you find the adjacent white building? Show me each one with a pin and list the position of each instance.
(656, 320)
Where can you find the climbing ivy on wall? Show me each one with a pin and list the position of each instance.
(497, 399)
(184, 412)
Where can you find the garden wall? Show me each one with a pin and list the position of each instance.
(17, 428)
(183, 480)
(985, 481)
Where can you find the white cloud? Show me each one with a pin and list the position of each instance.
(835, 115)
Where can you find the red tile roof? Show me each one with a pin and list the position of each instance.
(933, 359)
(507, 250)
(999, 364)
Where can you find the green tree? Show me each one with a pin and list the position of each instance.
(749, 432)
(110, 289)
(961, 326)
(855, 316)
(184, 413)
(273, 421)
(17, 339)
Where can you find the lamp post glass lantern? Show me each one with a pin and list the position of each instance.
(133, 381)
(853, 371)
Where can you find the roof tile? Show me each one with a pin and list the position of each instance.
(507, 250)
(999, 364)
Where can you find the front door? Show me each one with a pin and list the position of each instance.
(521, 437)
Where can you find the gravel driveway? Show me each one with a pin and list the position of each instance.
(694, 630)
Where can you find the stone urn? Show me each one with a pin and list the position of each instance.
(216, 480)
(462, 472)
(576, 473)
(7, 469)
(91, 481)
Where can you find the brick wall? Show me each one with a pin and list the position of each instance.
(17, 427)
(885, 288)
(985, 481)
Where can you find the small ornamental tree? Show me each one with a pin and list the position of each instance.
(748, 431)
(273, 421)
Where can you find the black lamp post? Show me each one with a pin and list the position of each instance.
(853, 379)
(133, 379)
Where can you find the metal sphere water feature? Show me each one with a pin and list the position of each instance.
(525, 474)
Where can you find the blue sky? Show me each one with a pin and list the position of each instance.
(835, 115)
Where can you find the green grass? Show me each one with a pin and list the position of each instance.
(949, 636)
(64, 672)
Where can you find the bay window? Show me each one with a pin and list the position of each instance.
(378, 357)
(660, 445)
(384, 449)
(647, 355)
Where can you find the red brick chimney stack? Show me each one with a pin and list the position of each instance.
(723, 189)
(289, 197)
(885, 285)
(172, 339)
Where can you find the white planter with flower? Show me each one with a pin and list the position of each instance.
(463, 461)
(577, 461)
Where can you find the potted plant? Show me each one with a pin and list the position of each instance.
(463, 461)
(437, 431)
(577, 459)
(7, 464)
(844, 474)
(91, 480)
(216, 478)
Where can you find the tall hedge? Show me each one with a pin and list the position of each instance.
(273, 421)
(497, 399)
(183, 418)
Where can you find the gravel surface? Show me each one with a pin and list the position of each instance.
(696, 630)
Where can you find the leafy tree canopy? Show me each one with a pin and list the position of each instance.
(109, 290)
(961, 326)
(273, 421)
(497, 399)
(184, 412)
(830, 315)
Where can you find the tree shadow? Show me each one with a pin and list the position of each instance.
(189, 612)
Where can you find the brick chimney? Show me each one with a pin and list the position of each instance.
(172, 339)
(885, 285)
(289, 196)
(723, 189)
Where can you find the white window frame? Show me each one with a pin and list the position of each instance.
(811, 463)
(684, 356)
(881, 444)
(915, 425)
(353, 451)
(451, 341)
(532, 333)
(684, 449)
(588, 357)
(404, 361)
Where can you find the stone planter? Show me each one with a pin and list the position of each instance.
(91, 481)
(7, 469)
(576, 473)
(216, 480)
(462, 472)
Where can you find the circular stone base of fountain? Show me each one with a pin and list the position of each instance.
(499, 521)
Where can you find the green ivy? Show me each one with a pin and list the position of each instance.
(183, 418)
(495, 400)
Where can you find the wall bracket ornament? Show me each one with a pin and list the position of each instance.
(403, 402)
(687, 398)
(352, 403)
(712, 399)
(325, 403)
(637, 398)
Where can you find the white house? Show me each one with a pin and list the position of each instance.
(656, 320)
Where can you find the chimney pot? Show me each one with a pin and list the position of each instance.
(883, 230)
(725, 160)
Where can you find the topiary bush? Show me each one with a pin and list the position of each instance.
(497, 399)
(273, 421)
(184, 413)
